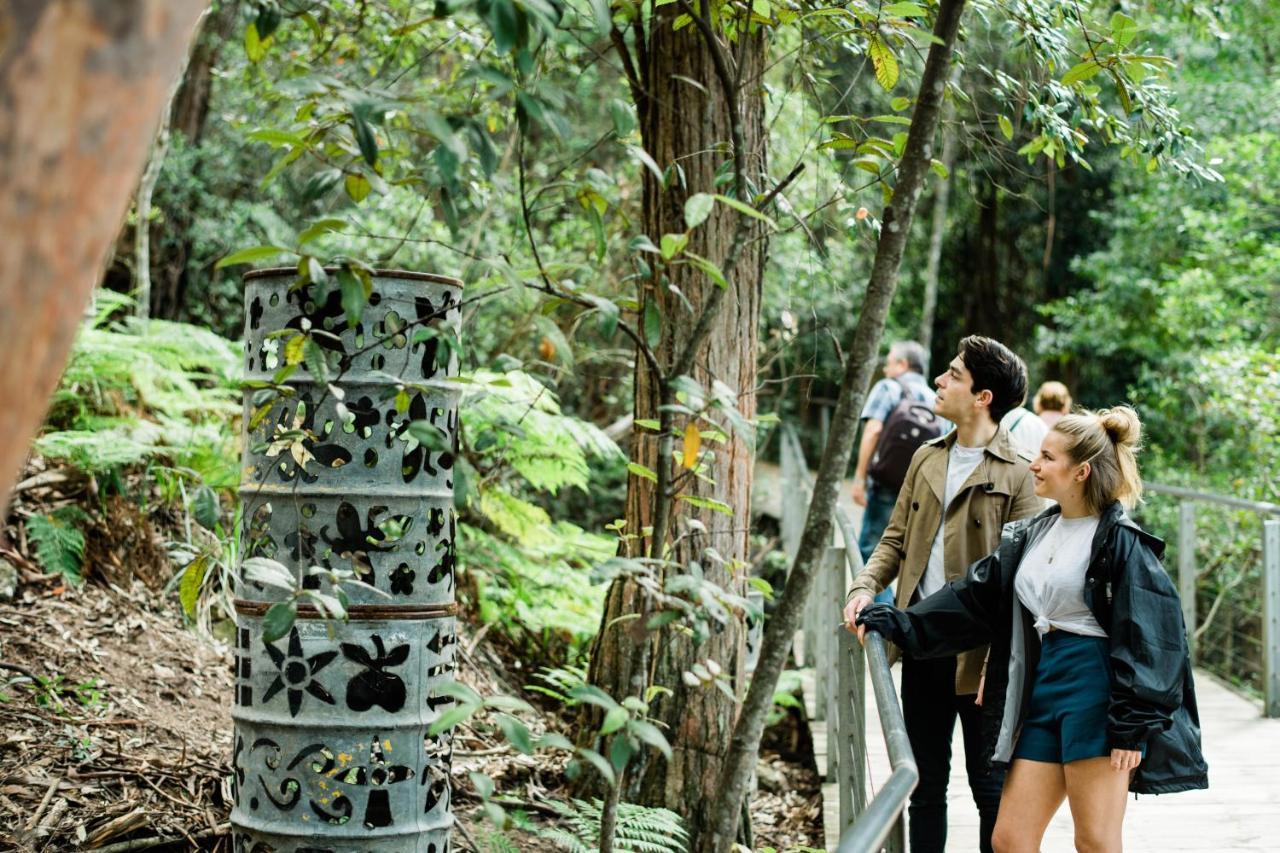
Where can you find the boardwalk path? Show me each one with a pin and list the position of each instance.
(1239, 812)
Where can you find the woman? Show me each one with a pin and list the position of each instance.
(1088, 686)
(1051, 402)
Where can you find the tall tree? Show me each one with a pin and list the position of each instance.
(699, 98)
(730, 788)
(81, 89)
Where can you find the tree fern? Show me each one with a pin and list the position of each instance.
(59, 542)
(640, 829)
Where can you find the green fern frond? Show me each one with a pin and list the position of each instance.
(640, 829)
(59, 542)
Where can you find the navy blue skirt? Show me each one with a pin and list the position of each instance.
(1067, 718)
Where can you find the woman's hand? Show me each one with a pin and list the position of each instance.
(1125, 759)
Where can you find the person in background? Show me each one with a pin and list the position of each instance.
(959, 491)
(1051, 402)
(904, 380)
(1089, 692)
(1027, 430)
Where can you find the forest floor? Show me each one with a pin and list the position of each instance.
(115, 732)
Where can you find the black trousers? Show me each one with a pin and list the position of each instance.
(930, 706)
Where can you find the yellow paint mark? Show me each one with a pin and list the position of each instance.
(344, 758)
(386, 744)
(322, 784)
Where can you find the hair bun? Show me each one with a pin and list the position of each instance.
(1122, 425)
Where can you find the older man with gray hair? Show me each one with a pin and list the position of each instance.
(904, 369)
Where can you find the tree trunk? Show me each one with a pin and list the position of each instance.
(81, 88)
(689, 126)
(731, 787)
(938, 230)
(187, 117)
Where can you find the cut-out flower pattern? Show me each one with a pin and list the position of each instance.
(297, 673)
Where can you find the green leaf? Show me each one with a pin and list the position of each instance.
(652, 324)
(899, 143)
(620, 751)
(642, 472)
(364, 134)
(279, 619)
(205, 508)
(357, 187)
(903, 10)
(1123, 29)
(673, 244)
(887, 119)
(940, 169)
(648, 424)
(451, 718)
(713, 272)
(697, 208)
(192, 580)
(293, 350)
(253, 253)
(597, 761)
(516, 733)
(743, 207)
(708, 503)
(650, 734)
(315, 360)
(1006, 127)
(884, 62)
(320, 228)
(900, 103)
(254, 47)
(356, 289)
(615, 719)
(1081, 72)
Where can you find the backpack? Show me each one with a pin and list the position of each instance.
(908, 426)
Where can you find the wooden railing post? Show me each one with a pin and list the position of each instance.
(1187, 570)
(1271, 615)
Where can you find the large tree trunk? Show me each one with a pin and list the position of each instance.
(689, 126)
(731, 788)
(81, 89)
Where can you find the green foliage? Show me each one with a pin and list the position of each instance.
(134, 392)
(640, 829)
(59, 541)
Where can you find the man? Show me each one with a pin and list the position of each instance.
(1027, 429)
(904, 376)
(959, 491)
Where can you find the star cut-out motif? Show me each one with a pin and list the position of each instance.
(296, 674)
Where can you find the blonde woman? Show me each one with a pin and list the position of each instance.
(1089, 691)
(1051, 402)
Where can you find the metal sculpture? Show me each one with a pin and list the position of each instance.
(332, 752)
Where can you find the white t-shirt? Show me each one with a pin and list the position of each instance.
(960, 464)
(1027, 429)
(1050, 580)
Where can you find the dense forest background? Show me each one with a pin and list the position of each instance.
(1134, 255)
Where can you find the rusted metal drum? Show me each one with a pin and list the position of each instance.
(331, 751)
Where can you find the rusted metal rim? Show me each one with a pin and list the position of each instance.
(371, 612)
(409, 275)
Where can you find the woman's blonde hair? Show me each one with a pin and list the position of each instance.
(1108, 440)
(1052, 397)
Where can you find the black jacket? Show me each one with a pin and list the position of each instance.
(1153, 699)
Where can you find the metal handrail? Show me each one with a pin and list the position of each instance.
(1209, 497)
(873, 826)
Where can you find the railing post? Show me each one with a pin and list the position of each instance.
(1271, 615)
(1187, 570)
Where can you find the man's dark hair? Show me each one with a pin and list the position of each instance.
(995, 368)
(910, 352)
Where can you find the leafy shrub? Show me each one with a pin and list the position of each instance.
(59, 541)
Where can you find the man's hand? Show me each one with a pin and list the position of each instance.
(860, 492)
(851, 611)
